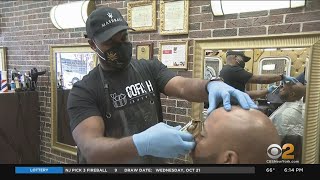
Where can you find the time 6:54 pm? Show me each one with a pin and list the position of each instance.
(293, 169)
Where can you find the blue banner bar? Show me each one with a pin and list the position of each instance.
(39, 170)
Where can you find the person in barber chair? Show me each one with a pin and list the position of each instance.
(289, 117)
(235, 137)
(234, 74)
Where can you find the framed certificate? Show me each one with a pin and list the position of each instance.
(174, 17)
(174, 54)
(144, 51)
(142, 15)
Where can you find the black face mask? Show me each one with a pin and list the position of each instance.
(241, 63)
(117, 57)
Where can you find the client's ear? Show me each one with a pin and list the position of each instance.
(230, 157)
(292, 94)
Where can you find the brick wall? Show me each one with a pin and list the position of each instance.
(27, 32)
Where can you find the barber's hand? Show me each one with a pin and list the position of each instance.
(220, 91)
(272, 88)
(162, 140)
(290, 79)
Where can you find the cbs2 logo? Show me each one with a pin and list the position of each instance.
(274, 151)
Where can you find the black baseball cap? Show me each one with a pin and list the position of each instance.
(239, 53)
(103, 23)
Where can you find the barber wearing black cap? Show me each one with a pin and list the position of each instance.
(234, 74)
(115, 111)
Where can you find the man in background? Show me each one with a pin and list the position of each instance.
(234, 74)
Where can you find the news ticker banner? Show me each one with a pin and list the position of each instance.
(233, 169)
(134, 170)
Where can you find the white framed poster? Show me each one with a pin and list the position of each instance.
(174, 54)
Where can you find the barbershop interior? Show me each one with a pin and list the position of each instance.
(45, 50)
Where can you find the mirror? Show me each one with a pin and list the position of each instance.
(69, 64)
(288, 54)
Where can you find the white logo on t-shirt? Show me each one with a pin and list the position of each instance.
(135, 93)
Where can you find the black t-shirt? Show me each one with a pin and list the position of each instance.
(86, 98)
(235, 76)
(129, 92)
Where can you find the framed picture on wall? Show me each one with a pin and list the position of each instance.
(174, 17)
(142, 15)
(144, 51)
(3, 59)
(174, 54)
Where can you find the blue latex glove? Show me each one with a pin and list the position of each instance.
(289, 79)
(162, 140)
(221, 91)
(271, 88)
